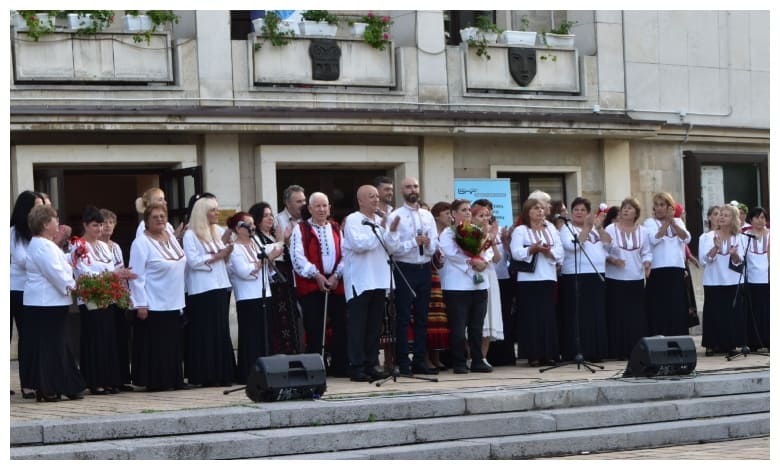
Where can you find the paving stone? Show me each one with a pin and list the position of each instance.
(502, 424)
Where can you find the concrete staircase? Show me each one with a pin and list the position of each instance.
(510, 423)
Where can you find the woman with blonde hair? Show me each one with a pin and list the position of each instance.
(154, 196)
(667, 299)
(720, 252)
(210, 359)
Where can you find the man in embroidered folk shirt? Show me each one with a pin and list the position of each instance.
(315, 249)
(366, 279)
(413, 243)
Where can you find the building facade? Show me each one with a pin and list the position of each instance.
(644, 101)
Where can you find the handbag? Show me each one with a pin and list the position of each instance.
(516, 266)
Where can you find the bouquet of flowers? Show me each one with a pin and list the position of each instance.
(103, 290)
(473, 240)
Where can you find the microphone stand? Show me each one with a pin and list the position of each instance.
(579, 360)
(390, 326)
(745, 349)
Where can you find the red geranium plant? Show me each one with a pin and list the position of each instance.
(103, 290)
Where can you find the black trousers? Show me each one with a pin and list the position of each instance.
(466, 309)
(313, 306)
(365, 314)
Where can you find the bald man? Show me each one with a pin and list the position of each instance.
(413, 242)
(366, 281)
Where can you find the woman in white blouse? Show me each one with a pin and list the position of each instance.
(581, 288)
(46, 301)
(628, 264)
(20, 238)
(757, 278)
(667, 299)
(465, 294)
(536, 323)
(724, 322)
(99, 357)
(157, 295)
(252, 290)
(210, 361)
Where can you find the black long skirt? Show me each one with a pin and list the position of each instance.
(17, 313)
(588, 323)
(536, 327)
(758, 322)
(157, 351)
(667, 302)
(723, 326)
(210, 358)
(252, 339)
(122, 334)
(502, 352)
(53, 368)
(626, 317)
(98, 358)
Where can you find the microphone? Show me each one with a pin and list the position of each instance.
(750, 235)
(379, 213)
(368, 222)
(562, 217)
(419, 232)
(246, 226)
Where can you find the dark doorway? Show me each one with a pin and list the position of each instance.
(339, 185)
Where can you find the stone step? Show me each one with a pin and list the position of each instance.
(462, 429)
(389, 408)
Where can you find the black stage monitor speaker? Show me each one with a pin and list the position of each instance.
(283, 377)
(662, 355)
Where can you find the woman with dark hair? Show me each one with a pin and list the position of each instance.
(536, 325)
(558, 213)
(252, 290)
(628, 264)
(720, 250)
(46, 301)
(286, 330)
(210, 361)
(157, 294)
(712, 217)
(582, 288)
(465, 294)
(20, 238)
(667, 298)
(99, 357)
(757, 278)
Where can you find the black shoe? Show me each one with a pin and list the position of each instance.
(375, 374)
(425, 370)
(182, 386)
(102, 391)
(77, 396)
(443, 368)
(126, 388)
(481, 367)
(359, 377)
(28, 395)
(39, 397)
(460, 370)
(112, 390)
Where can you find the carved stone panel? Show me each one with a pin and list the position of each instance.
(325, 58)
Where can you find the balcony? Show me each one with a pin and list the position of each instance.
(557, 70)
(101, 58)
(359, 65)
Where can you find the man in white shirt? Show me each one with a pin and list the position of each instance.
(315, 252)
(366, 279)
(413, 242)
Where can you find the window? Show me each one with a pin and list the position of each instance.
(523, 184)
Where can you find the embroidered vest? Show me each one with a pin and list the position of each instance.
(312, 251)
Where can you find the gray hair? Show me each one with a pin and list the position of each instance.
(289, 190)
(316, 195)
(540, 196)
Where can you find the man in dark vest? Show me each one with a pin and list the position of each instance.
(315, 251)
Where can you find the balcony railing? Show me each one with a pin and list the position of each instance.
(103, 57)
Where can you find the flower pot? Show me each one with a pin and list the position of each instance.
(468, 33)
(136, 23)
(257, 25)
(357, 29)
(43, 19)
(289, 26)
(91, 305)
(559, 40)
(318, 28)
(491, 38)
(76, 21)
(518, 38)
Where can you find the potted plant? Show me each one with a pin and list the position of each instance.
(521, 37)
(376, 32)
(35, 23)
(270, 30)
(319, 23)
(134, 22)
(88, 21)
(560, 36)
(486, 33)
(152, 20)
